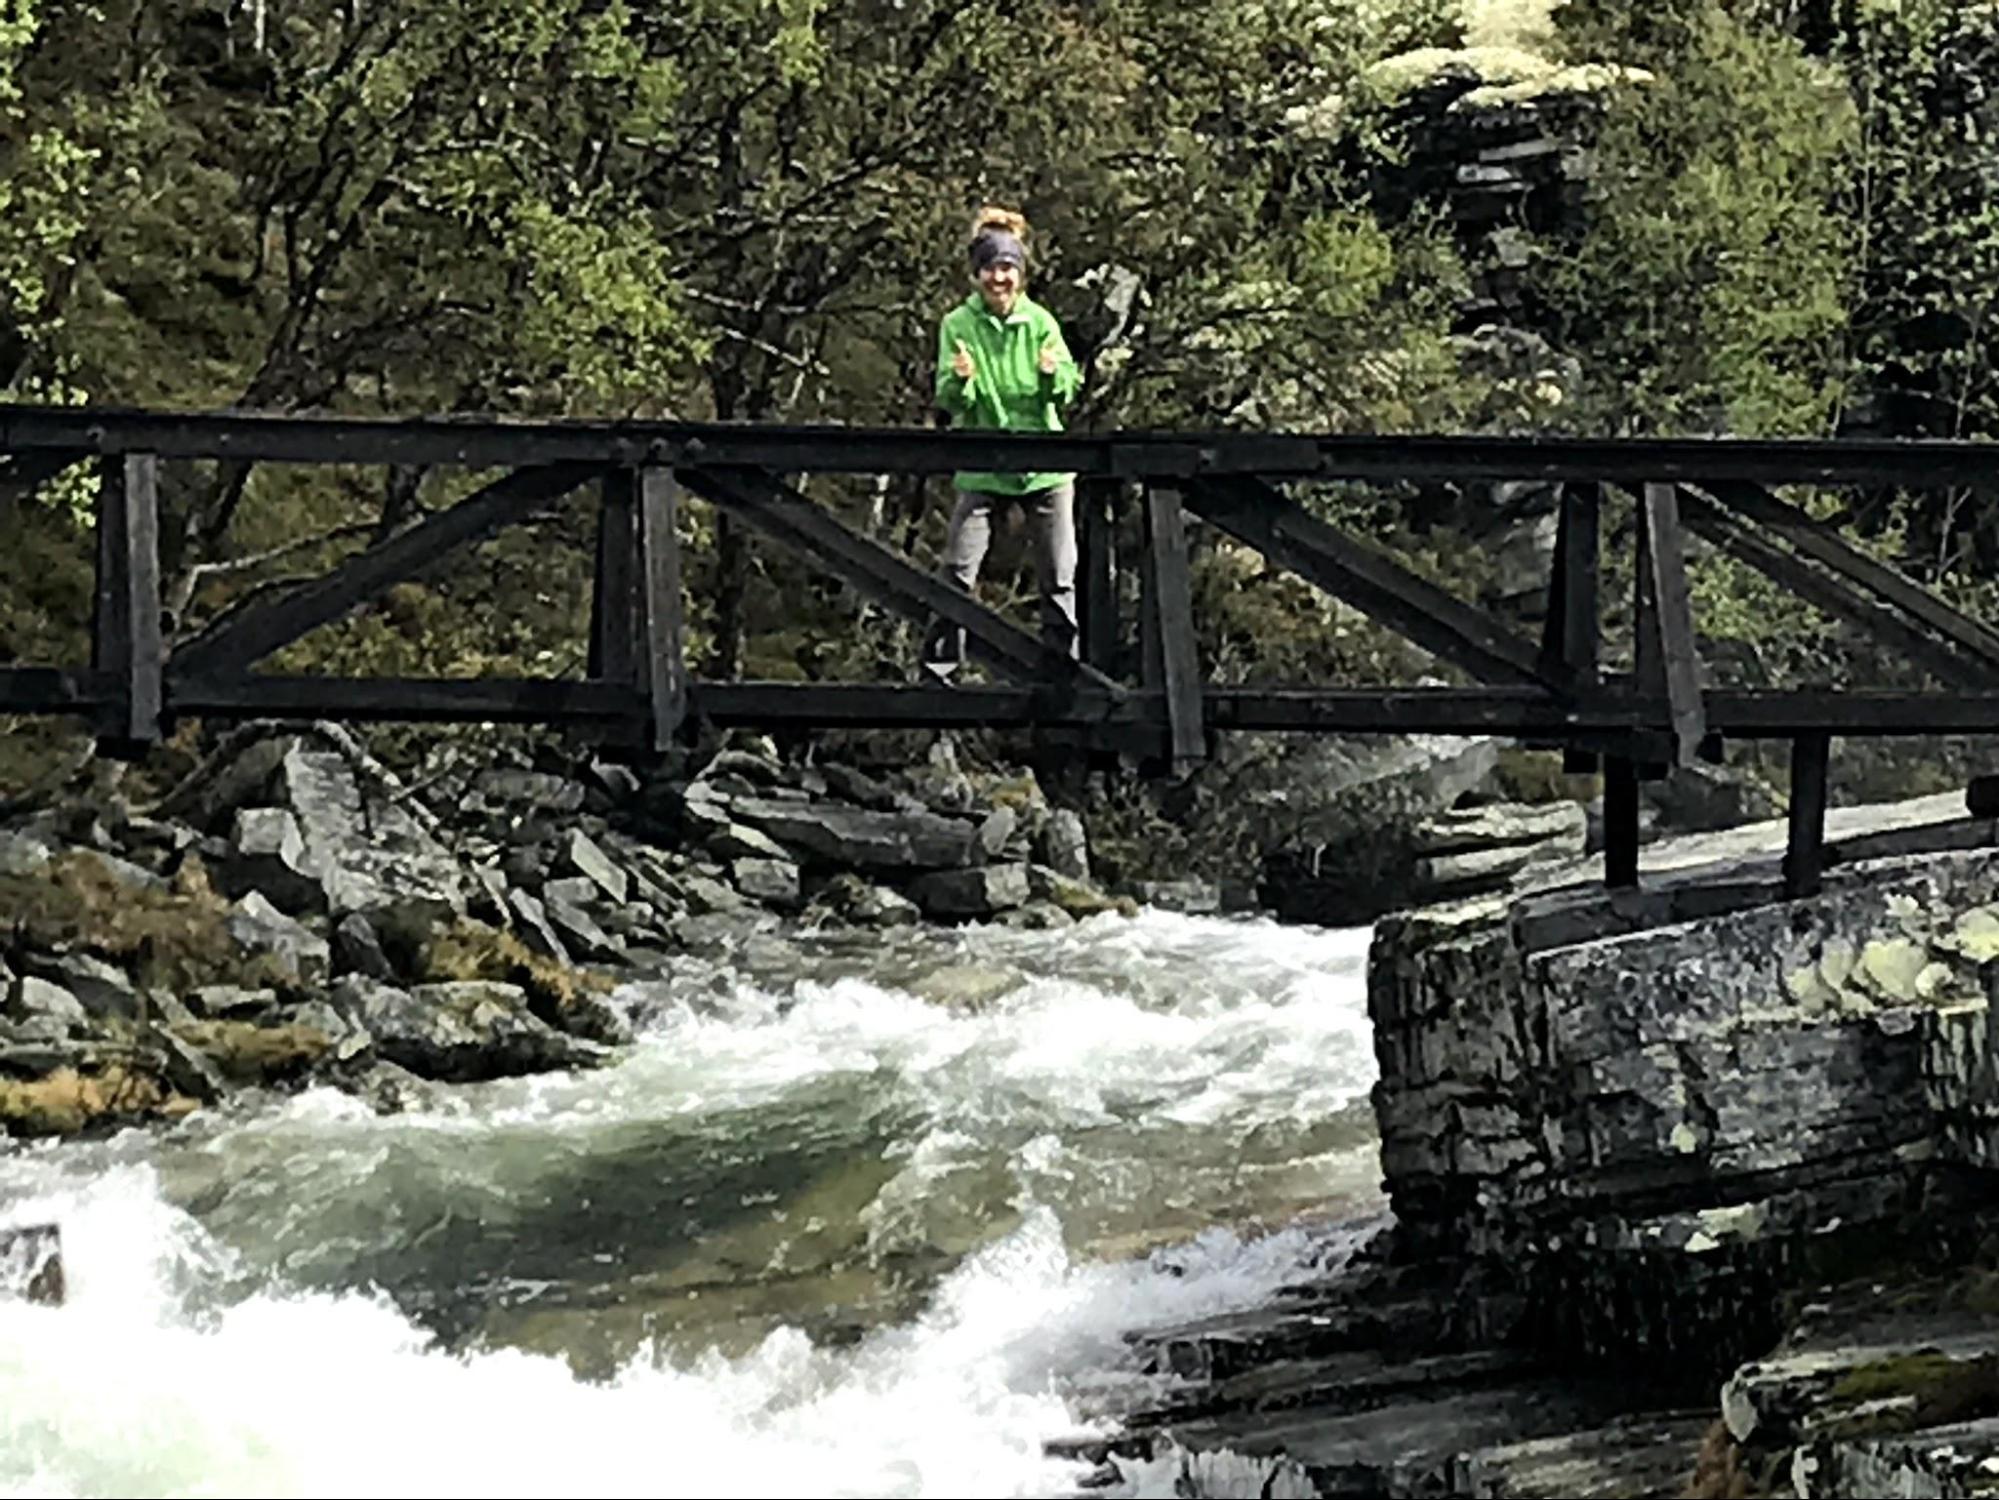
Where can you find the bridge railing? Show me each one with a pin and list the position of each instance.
(638, 694)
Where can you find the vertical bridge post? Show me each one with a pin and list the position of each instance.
(1804, 845)
(1569, 630)
(1172, 665)
(127, 650)
(636, 610)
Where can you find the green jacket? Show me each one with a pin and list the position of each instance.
(1007, 391)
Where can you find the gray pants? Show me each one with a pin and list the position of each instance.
(1051, 513)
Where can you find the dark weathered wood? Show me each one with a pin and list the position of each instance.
(793, 521)
(21, 474)
(1096, 572)
(614, 598)
(1380, 587)
(1173, 669)
(1823, 544)
(48, 690)
(1828, 593)
(1668, 660)
(127, 648)
(494, 443)
(1569, 630)
(1981, 796)
(1804, 845)
(1620, 822)
(1925, 838)
(237, 641)
(662, 664)
(849, 705)
(494, 700)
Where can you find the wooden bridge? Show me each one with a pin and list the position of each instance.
(638, 694)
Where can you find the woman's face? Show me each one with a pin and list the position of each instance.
(999, 284)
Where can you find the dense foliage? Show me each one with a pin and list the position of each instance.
(752, 209)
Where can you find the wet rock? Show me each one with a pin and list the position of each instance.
(705, 895)
(859, 839)
(575, 891)
(348, 1038)
(859, 788)
(581, 854)
(370, 854)
(759, 769)
(1063, 845)
(771, 881)
(734, 841)
(980, 892)
(995, 832)
(388, 1089)
(245, 1053)
(101, 988)
(1500, 823)
(228, 1001)
(535, 929)
(1076, 897)
(357, 949)
(22, 855)
(1189, 895)
(267, 853)
(258, 927)
(189, 1071)
(462, 1032)
(1038, 916)
(538, 790)
(31, 997)
(853, 899)
(580, 932)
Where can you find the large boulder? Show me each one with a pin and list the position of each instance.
(856, 838)
(460, 1032)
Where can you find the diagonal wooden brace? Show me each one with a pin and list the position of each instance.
(236, 642)
(1381, 588)
(794, 522)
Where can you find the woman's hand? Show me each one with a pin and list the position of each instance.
(961, 362)
(1051, 356)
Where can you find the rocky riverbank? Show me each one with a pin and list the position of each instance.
(293, 912)
(1680, 1207)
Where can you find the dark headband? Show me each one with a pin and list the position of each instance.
(993, 245)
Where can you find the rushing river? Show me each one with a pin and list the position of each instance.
(855, 1217)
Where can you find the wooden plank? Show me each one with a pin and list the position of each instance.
(1561, 919)
(614, 599)
(1569, 631)
(1804, 844)
(470, 442)
(1666, 620)
(1170, 607)
(823, 541)
(1927, 838)
(418, 700)
(1620, 822)
(1096, 574)
(48, 690)
(662, 663)
(1828, 593)
(854, 705)
(239, 640)
(1820, 542)
(127, 648)
(1373, 583)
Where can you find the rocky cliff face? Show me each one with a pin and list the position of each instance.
(1668, 1196)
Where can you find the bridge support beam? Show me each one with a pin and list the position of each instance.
(127, 649)
(1804, 846)
(1620, 822)
(1569, 634)
(1172, 662)
(1667, 662)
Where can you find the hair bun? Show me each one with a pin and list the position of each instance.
(994, 217)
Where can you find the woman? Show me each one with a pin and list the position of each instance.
(1002, 365)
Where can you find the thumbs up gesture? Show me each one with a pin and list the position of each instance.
(961, 362)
